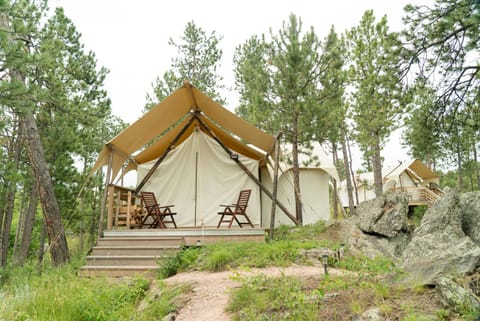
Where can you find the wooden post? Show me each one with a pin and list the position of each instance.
(105, 193)
(274, 188)
(111, 195)
(247, 171)
(129, 208)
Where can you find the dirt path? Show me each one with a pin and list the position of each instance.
(210, 295)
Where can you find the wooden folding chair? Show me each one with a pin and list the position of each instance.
(232, 212)
(157, 213)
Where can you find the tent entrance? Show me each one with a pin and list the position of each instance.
(197, 177)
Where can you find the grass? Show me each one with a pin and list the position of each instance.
(59, 294)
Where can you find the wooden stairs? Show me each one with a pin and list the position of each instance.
(119, 256)
(129, 252)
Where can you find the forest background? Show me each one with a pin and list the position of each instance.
(357, 85)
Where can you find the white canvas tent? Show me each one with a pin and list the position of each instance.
(410, 174)
(196, 155)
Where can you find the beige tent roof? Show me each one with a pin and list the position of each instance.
(152, 134)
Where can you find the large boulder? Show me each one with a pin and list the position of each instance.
(384, 216)
(439, 245)
(470, 207)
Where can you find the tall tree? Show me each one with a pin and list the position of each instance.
(283, 94)
(332, 117)
(442, 43)
(198, 59)
(55, 90)
(375, 78)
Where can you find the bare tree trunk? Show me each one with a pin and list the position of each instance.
(335, 201)
(459, 169)
(352, 173)
(296, 172)
(475, 165)
(377, 171)
(10, 201)
(348, 175)
(28, 227)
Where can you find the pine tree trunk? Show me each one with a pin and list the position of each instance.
(377, 171)
(28, 227)
(51, 211)
(335, 200)
(475, 165)
(10, 202)
(354, 182)
(41, 245)
(296, 172)
(459, 169)
(348, 175)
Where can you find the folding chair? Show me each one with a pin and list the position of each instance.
(158, 214)
(232, 212)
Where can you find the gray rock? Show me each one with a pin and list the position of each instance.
(455, 295)
(372, 245)
(372, 314)
(385, 216)
(439, 246)
(470, 207)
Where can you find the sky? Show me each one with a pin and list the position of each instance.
(130, 38)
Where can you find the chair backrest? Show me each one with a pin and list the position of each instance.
(242, 201)
(149, 200)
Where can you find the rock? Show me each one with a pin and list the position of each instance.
(470, 207)
(385, 216)
(314, 256)
(456, 296)
(371, 245)
(170, 317)
(439, 246)
(372, 314)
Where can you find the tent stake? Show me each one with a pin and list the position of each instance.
(165, 153)
(247, 171)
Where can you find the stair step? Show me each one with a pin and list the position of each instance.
(118, 271)
(123, 260)
(135, 250)
(138, 241)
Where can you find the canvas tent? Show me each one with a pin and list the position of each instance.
(195, 154)
(409, 174)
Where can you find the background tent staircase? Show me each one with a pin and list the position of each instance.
(118, 256)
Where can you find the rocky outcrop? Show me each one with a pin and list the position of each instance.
(439, 245)
(379, 228)
(470, 207)
(384, 216)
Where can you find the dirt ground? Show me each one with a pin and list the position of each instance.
(209, 296)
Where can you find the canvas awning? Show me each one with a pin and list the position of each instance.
(151, 135)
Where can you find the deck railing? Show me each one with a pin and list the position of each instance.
(420, 195)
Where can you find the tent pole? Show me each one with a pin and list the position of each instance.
(247, 171)
(165, 153)
(105, 192)
(274, 188)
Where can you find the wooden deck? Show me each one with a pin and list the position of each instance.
(139, 251)
(420, 195)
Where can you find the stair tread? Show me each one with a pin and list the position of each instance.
(118, 267)
(123, 256)
(137, 246)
